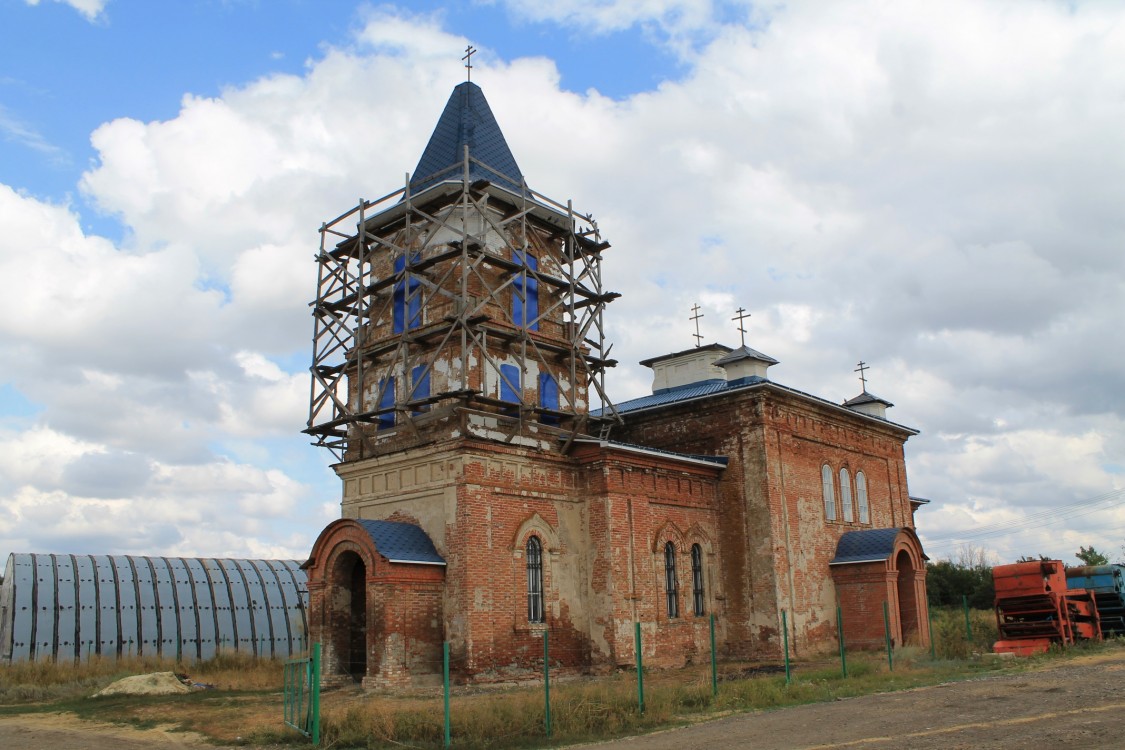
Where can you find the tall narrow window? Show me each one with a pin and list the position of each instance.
(697, 580)
(548, 397)
(525, 292)
(420, 387)
(829, 490)
(534, 580)
(407, 298)
(670, 580)
(846, 494)
(861, 497)
(510, 385)
(387, 401)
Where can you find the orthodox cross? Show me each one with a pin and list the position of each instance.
(695, 309)
(468, 58)
(862, 369)
(741, 315)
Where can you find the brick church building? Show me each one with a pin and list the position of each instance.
(458, 347)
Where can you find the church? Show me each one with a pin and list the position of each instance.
(493, 495)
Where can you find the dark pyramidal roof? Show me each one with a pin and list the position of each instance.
(467, 121)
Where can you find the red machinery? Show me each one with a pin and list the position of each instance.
(1034, 608)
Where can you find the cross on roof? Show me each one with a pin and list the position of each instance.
(862, 369)
(468, 58)
(740, 315)
(698, 337)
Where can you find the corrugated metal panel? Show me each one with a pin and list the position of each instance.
(69, 607)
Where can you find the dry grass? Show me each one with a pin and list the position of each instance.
(35, 681)
(247, 706)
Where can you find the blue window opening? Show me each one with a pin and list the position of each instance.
(420, 378)
(525, 293)
(548, 397)
(510, 385)
(387, 401)
(407, 298)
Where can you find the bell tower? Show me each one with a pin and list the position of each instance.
(464, 304)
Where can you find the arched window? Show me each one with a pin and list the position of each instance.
(846, 494)
(534, 580)
(407, 297)
(861, 497)
(670, 580)
(525, 292)
(386, 419)
(697, 580)
(827, 486)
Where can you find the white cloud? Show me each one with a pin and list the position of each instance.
(90, 9)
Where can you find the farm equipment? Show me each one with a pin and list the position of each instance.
(1034, 608)
(1107, 583)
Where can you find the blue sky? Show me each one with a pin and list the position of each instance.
(933, 191)
(65, 75)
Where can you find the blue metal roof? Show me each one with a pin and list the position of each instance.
(467, 121)
(685, 392)
(870, 545)
(867, 398)
(402, 542)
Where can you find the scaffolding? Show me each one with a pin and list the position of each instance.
(468, 286)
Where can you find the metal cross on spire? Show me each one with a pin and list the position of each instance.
(698, 337)
(468, 58)
(862, 369)
(741, 315)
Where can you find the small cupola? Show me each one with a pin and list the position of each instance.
(690, 367)
(867, 403)
(870, 404)
(745, 365)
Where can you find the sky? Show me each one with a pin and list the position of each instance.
(935, 189)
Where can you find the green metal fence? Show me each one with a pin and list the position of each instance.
(302, 694)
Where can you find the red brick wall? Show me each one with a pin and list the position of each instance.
(776, 541)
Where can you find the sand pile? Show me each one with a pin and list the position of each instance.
(157, 683)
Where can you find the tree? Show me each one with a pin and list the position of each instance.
(1090, 556)
(969, 577)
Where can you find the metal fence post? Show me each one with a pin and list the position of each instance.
(445, 686)
(785, 640)
(840, 631)
(547, 680)
(933, 654)
(640, 667)
(968, 625)
(714, 663)
(314, 695)
(887, 634)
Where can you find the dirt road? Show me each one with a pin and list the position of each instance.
(1079, 703)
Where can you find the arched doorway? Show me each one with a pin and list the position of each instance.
(907, 598)
(348, 602)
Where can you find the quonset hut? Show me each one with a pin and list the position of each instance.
(72, 607)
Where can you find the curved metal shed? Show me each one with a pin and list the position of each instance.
(74, 606)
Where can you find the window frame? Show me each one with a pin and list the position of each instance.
(828, 490)
(698, 598)
(862, 501)
(671, 585)
(848, 511)
(533, 551)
